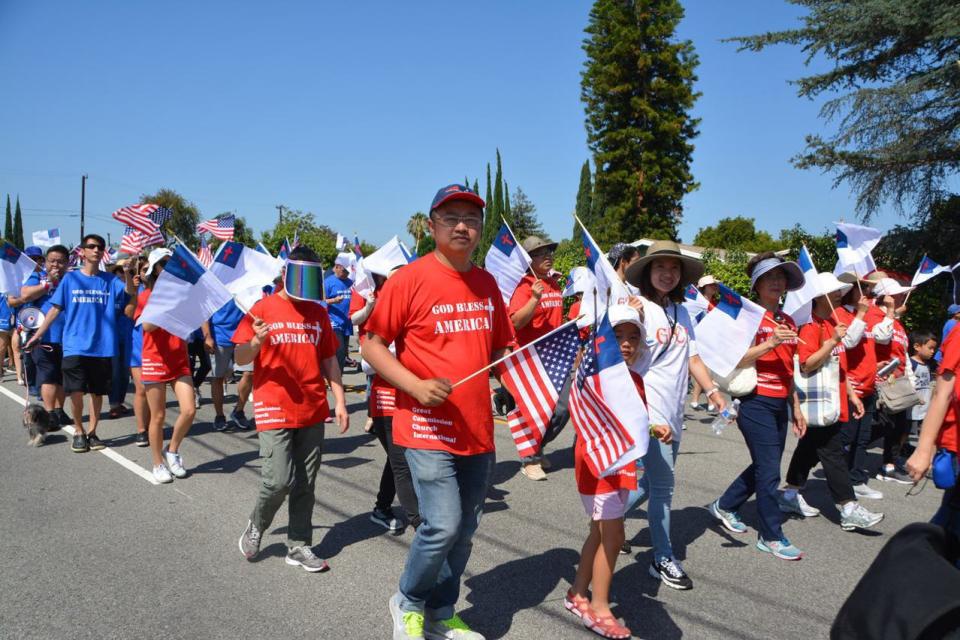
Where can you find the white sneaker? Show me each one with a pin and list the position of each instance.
(175, 462)
(196, 398)
(696, 406)
(863, 491)
(796, 505)
(161, 474)
(711, 408)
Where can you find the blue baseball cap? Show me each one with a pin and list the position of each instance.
(456, 192)
(953, 309)
(34, 251)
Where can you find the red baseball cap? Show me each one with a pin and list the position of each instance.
(456, 192)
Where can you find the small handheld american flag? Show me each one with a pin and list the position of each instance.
(534, 376)
(220, 227)
(204, 255)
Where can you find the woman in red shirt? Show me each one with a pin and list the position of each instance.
(165, 361)
(820, 340)
(764, 412)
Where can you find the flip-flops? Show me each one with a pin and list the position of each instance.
(577, 605)
(605, 626)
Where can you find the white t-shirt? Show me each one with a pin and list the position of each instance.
(666, 366)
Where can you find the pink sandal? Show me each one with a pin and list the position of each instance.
(577, 605)
(605, 626)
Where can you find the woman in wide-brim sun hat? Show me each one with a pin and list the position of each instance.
(661, 276)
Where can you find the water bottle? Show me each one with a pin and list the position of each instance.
(725, 417)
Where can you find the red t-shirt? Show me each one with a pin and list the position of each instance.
(814, 334)
(949, 437)
(548, 314)
(444, 324)
(862, 359)
(358, 302)
(383, 398)
(775, 367)
(289, 389)
(896, 348)
(164, 355)
(626, 478)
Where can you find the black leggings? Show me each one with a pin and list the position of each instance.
(395, 480)
(201, 369)
(823, 444)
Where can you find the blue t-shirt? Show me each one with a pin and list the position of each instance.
(6, 314)
(224, 322)
(90, 306)
(947, 328)
(55, 333)
(339, 312)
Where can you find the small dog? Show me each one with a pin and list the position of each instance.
(38, 422)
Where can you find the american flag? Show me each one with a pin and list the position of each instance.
(356, 247)
(605, 437)
(220, 227)
(134, 241)
(76, 257)
(204, 255)
(137, 216)
(534, 376)
(108, 258)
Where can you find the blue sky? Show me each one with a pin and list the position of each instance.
(359, 111)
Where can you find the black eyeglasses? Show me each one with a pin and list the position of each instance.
(452, 220)
(98, 247)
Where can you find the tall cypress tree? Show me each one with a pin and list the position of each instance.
(498, 190)
(18, 227)
(637, 88)
(584, 209)
(8, 223)
(475, 187)
(506, 205)
(491, 222)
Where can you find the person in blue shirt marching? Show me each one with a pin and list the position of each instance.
(336, 293)
(90, 302)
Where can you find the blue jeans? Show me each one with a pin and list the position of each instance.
(450, 490)
(657, 484)
(763, 423)
(120, 379)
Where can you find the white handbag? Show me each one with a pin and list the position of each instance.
(819, 392)
(739, 383)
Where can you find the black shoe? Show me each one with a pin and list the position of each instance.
(626, 549)
(95, 442)
(80, 444)
(220, 423)
(671, 573)
(65, 420)
(53, 424)
(386, 519)
(141, 439)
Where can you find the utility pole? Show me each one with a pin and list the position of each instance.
(279, 208)
(83, 201)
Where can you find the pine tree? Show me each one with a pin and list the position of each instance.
(491, 222)
(525, 222)
(893, 77)
(584, 200)
(8, 223)
(18, 227)
(637, 87)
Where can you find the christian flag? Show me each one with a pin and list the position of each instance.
(507, 262)
(799, 304)
(695, 302)
(534, 376)
(185, 295)
(607, 279)
(855, 244)
(927, 269)
(46, 237)
(727, 331)
(240, 268)
(15, 268)
(605, 407)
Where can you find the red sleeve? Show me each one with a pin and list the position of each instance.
(142, 298)
(951, 352)
(390, 313)
(244, 331)
(357, 302)
(503, 335)
(574, 311)
(521, 295)
(811, 334)
(328, 342)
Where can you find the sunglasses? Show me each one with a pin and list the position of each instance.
(98, 247)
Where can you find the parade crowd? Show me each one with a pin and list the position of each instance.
(430, 324)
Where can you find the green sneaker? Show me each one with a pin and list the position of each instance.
(450, 629)
(407, 625)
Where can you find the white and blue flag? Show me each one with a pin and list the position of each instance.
(240, 268)
(727, 331)
(799, 304)
(47, 237)
(15, 268)
(507, 262)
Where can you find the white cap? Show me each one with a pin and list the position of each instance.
(345, 260)
(156, 256)
(828, 283)
(889, 287)
(705, 280)
(623, 313)
(580, 281)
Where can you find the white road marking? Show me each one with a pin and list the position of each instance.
(126, 463)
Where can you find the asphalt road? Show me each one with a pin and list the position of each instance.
(92, 550)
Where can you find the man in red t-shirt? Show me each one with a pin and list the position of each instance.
(447, 320)
(294, 352)
(536, 309)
